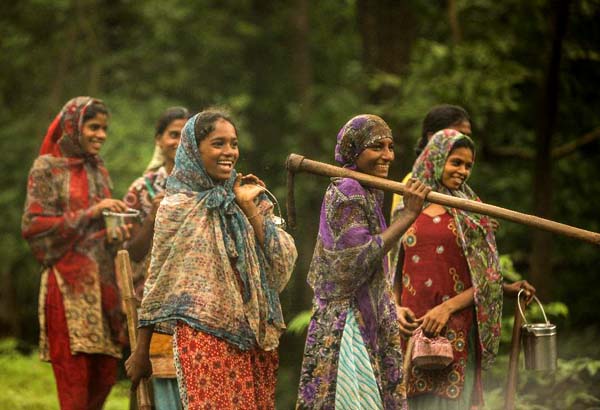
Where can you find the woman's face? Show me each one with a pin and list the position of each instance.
(93, 134)
(457, 168)
(464, 127)
(168, 141)
(219, 151)
(375, 159)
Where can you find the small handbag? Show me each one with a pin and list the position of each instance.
(430, 353)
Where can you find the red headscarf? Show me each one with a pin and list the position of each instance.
(64, 184)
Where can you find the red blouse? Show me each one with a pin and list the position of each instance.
(435, 270)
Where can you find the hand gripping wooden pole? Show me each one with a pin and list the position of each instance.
(297, 163)
(130, 304)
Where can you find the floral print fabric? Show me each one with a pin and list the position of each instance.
(63, 185)
(476, 239)
(139, 196)
(205, 252)
(213, 374)
(434, 271)
(349, 272)
(359, 133)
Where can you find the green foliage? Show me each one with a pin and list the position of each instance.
(142, 57)
(573, 386)
(28, 383)
(300, 322)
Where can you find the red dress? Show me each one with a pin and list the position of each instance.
(435, 270)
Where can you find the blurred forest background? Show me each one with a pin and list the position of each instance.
(292, 73)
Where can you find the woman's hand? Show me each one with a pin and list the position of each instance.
(246, 188)
(407, 320)
(434, 321)
(110, 204)
(138, 367)
(512, 289)
(415, 195)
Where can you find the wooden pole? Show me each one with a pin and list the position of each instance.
(513, 361)
(130, 304)
(297, 163)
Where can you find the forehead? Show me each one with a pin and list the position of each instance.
(99, 118)
(463, 153)
(222, 129)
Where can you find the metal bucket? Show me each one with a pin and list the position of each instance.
(539, 342)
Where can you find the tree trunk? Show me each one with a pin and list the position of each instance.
(541, 254)
(388, 31)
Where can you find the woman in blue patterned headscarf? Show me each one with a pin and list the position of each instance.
(218, 264)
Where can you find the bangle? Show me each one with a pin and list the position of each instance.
(255, 215)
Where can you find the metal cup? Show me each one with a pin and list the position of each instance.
(114, 220)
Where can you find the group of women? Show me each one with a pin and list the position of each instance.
(211, 259)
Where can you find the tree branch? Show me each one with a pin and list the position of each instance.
(570, 147)
(509, 152)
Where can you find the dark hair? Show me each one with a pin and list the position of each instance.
(94, 109)
(168, 116)
(206, 119)
(438, 118)
(464, 143)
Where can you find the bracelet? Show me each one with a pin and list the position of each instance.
(255, 215)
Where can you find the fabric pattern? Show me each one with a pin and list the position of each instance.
(435, 270)
(139, 196)
(356, 385)
(64, 184)
(476, 239)
(359, 133)
(349, 273)
(83, 381)
(205, 252)
(214, 374)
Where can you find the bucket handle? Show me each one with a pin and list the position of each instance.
(537, 300)
(281, 222)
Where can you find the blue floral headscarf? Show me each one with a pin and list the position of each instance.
(189, 176)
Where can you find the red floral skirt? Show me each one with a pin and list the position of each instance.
(214, 374)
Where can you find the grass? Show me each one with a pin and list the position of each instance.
(28, 383)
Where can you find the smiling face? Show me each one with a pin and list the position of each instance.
(219, 151)
(457, 168)
(168, 141)
(93, 134)
(376, 159)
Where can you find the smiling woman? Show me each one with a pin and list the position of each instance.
(94, 129)
(215, 241)
(353, 358)
(81, 330)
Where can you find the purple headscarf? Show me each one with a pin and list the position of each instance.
(359, 133)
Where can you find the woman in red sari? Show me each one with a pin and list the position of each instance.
(81, 330)
(450, 280)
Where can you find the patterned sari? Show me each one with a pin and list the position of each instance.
(443, 256)
(64, 183)
(352, 357)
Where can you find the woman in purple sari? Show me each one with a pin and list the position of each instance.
(352, 357)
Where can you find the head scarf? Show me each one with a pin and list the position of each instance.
(87, 183)
(64, 134)
(359, 133)
(157, 161)
(189, 176)
(476, 239)
(212, 201)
